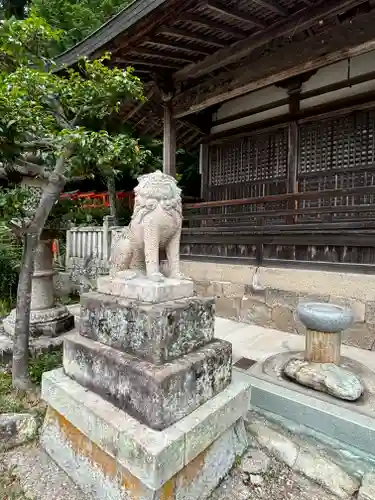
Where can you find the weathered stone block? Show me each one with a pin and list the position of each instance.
(254, 310)
(17, 429)
(370, 312)
(155, 332)
(103, 478)
(357, 307)
(275, 297)
(233, 290)
(290, 299)
(157, 395)
(228, 307)
(283, 318)
(145, 290)
(360, 335)
(93, 441)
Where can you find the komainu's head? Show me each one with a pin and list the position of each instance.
(157, 186)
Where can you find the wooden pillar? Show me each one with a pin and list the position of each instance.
(203, 169)
(323, 347)
(169, 139)
(294, 92)
(292, 157)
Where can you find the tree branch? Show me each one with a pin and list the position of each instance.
(51, 193)
(58, 112)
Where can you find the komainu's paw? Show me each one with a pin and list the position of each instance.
(127, 275)
(157, 277)
(179, 276)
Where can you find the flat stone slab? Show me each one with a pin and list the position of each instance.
(367, 490)
(145, 290)
(157, 395)
(352, 423)
(155, 332)
(93, 441)
(325, 377)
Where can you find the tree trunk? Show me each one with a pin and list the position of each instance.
(20, 374)
(111, 186)
(50, 195)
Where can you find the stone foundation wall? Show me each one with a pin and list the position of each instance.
(268, 296)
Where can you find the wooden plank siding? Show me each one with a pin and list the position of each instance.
(301, 193)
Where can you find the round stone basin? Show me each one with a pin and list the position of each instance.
(324, 317)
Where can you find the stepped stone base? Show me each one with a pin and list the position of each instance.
(112, 456)
(156, 332)
(157, 395)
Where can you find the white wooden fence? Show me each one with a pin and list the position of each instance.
(92, 243)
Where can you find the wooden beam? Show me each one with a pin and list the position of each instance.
(297, 22)
(204, 168)
(168, 55)
(197, 19)
(234, 13)
(191, 35)
(184, 47)
(273, 6)
(169, 140)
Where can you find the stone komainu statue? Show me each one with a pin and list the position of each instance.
(156, 224)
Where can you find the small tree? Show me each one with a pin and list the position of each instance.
(42, 117)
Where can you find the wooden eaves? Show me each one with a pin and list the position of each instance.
(204, 52)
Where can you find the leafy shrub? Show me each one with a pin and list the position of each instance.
(44, 363)
(10, 261)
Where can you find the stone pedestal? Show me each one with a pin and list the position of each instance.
(46, 317)
(320, 369)
(145, 407)
(324, 324)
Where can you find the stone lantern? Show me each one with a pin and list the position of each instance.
(46, 317)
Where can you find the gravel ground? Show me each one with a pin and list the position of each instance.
(258, 477)
(40, 477)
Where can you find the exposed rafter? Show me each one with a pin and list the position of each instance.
(234, 13)
(273, 6)
(141, 62)
(139, 106)
(198, 19)
(191, 35)
(184, 47)
(168, 55)
(295, 23)
(187, 132)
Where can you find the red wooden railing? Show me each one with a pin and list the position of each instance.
(99, 200)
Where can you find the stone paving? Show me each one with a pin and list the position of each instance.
(265, 478)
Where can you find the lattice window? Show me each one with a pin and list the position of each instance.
(338, 153)
(249, 166)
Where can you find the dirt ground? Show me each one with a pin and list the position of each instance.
(28, 473)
